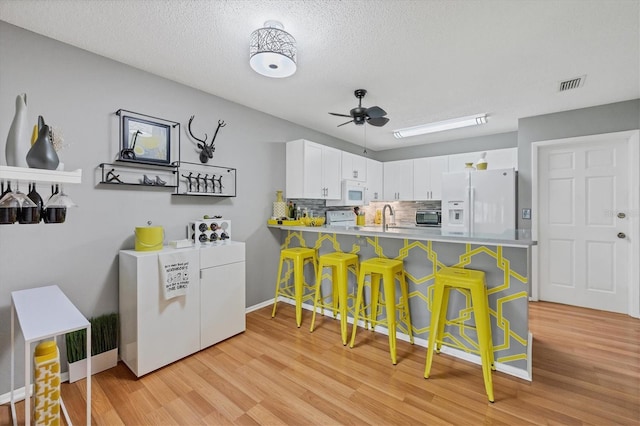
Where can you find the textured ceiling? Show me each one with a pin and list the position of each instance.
(421, 61)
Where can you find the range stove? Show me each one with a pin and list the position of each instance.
(341, 218)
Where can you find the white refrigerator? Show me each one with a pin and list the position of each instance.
(479, 201)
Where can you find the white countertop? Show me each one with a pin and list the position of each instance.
(513, 238)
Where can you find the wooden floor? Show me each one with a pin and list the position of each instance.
(586, 370)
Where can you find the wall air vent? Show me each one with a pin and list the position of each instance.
(573, 83)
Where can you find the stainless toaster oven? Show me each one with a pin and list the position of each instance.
(428, 218)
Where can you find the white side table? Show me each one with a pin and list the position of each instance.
(42, 313)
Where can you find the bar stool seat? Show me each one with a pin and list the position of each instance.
(339, 264)
(298, 256)
(474, 282)
(388, 270)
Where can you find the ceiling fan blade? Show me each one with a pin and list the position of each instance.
(339, 115)
(378, 121)
(375, 112)
(350, 121)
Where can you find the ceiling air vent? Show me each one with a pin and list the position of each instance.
(573, 83)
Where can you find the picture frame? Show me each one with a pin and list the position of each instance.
(145, 141)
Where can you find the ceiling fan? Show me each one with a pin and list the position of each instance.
(359, 115)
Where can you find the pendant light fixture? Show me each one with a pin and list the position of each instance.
(272, 51)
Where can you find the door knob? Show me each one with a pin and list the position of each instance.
(621, 235)
(621, 215)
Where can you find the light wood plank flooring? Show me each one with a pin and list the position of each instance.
(586, 370)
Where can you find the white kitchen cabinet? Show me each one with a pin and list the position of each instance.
(374, 184)
(222, 292)
(505, 158)
(398, 180)
(312, 171)
(155, 332)
(354, 167)
(427, 177)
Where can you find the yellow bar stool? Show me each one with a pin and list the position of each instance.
(299, 256)
(388, 270)
(339, 264)
(473, 282)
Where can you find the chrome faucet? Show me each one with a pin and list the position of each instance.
(384, 216)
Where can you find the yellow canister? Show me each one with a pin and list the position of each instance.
(149, 238)
(47, 384)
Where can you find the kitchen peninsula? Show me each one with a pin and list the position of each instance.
(505, 259)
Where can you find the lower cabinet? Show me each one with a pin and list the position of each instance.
(155, 331)
(222, 292)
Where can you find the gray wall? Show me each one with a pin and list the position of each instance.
(616, 117)
(481, 143)
(78, 92)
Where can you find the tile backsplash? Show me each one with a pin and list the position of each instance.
(405, 211)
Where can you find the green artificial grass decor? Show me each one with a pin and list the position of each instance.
(104, 337)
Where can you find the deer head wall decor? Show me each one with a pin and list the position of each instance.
(206, 150)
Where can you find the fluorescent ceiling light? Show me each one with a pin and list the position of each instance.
(439, 126)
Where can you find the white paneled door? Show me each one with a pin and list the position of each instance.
(583, 224)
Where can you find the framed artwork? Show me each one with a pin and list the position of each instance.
(145, 141)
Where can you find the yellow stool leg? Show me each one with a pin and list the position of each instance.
(375, 298)
(278, 281)
(356, 313)
(298, 282)
(484, 336)
(340, 277)
(318, 294)
(442, 321)
(362, 305)
(406, 314)
(335, 289)
(435, 321)
(389, 283)
(486, 297)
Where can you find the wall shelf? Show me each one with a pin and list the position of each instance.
(123, 173)
(203, 180)
(26, 174)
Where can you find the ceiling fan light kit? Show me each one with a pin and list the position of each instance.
(439, 126)
(272, 51)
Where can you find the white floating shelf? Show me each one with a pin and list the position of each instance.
(26, 174)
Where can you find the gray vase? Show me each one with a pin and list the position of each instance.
(42, 155)
(18, 139)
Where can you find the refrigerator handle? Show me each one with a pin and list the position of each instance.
(470, 203)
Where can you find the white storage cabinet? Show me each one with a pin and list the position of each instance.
(398, 180)
(155, 332)
(374, 184)
(222, 292)
(354, 167)
(427, 177)
(313, 171)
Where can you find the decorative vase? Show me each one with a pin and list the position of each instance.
(42, 155)
(18, 139)
(279, 206)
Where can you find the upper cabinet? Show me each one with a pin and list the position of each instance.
(427, 177)
(354, 167)
(398, 180)
(373, 188)
(505, 158)
(312, 171)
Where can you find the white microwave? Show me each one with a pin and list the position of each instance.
(352, 194)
